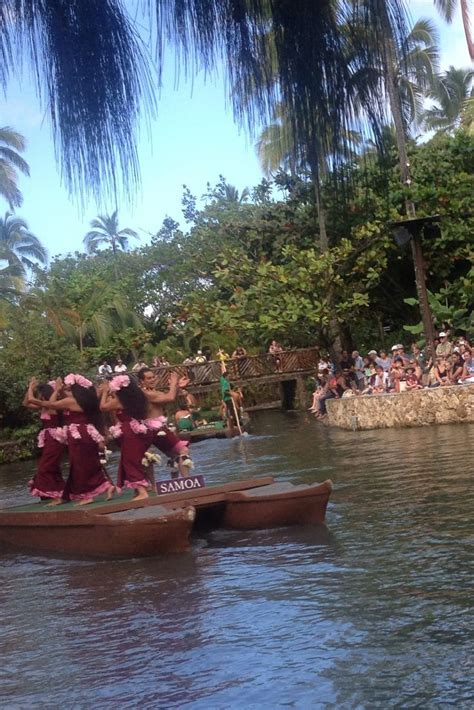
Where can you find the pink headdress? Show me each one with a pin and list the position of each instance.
(116, 383)
(72, 379)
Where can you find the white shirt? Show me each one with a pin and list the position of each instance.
(120, 368)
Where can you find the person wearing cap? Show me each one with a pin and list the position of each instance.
(401, 353)
(445, 348)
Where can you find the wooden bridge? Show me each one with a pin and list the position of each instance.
(290, 368)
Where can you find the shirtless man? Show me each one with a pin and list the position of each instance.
(165, 440)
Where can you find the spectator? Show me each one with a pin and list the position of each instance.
(346, 380)
(319, 390)
(189, 361)
(200, 358)
(383, 360)
(445, 348)
(139, 365)
(104, 369)
(457, 367)
(381, 380)
(239, 352)
(403, 355)
(275, 349)
(156, 361)
(120, 367)
(468, 368)
(440, 373)
(221, 355)
(331, 390)
(346, 362)
(359, 370)
(411, 379)
(325, 364)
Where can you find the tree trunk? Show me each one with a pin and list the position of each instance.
(393, 90)
(467, 27)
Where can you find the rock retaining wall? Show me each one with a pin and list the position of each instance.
(440, 405)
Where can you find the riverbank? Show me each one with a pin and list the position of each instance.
(440, 405)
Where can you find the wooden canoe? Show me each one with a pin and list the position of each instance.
(142, 532)
(277, 505)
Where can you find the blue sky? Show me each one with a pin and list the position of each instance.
(193, 140)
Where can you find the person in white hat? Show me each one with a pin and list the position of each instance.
(444, 348)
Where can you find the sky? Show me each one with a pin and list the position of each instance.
(192, 141)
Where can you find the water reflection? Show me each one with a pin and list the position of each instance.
(374, 610)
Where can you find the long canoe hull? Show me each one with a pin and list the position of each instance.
(277, 505)
(136, 533)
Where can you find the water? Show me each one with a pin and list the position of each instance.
(372, 611)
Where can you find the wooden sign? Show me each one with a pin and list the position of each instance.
(178, 485)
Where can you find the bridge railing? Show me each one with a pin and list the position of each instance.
(243, 368)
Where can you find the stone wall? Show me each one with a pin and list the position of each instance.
(440, 405)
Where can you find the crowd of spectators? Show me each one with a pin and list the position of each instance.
(379, 372)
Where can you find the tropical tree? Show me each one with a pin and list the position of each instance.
(450, 93)
(11, 144)
(94, 76)
(105, 231)
(447, 9)
(19, 248)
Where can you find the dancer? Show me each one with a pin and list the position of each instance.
(164, 439)
(84, 426)
(48, 482)
(124, 397)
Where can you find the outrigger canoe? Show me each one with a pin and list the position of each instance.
(124, 527)
(276, 505)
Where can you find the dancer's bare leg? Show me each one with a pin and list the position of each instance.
(142, 493)
(85, 501)
(55, 501)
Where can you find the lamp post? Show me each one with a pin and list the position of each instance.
(411, 230)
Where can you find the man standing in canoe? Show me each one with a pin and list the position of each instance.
(232, 401)
(164, 439)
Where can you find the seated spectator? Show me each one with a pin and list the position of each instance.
(120, 367)
(411, 379)
(189, 360)
(156, 361)
(139, 365)
(239, 352)
(403, 355)
(445, 348)
(383, 360)
(468, 368)
(397, 375)
(440, 373)
(457, 367)
(346, 380)
(325, 364)
(381, 380)
(200, 358)
(183, 416)
(346, 362)
(359, 364)
(331, 390)
(104, 369)
(319, 390)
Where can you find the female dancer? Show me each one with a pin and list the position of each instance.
(124, 397)
(87, 478)
(48, 481)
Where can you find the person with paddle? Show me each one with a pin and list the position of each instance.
(231, 401)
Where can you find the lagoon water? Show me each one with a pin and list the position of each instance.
(373, 611)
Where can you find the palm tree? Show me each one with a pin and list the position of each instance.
(105, 230)
(451, 93)
(78, 321)
(93, 74)
(19, 247)
(11, 143)
(447, 9)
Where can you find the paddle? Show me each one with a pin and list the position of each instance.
(241, 433)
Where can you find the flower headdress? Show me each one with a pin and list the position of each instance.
(116, 383)
(80, 380)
